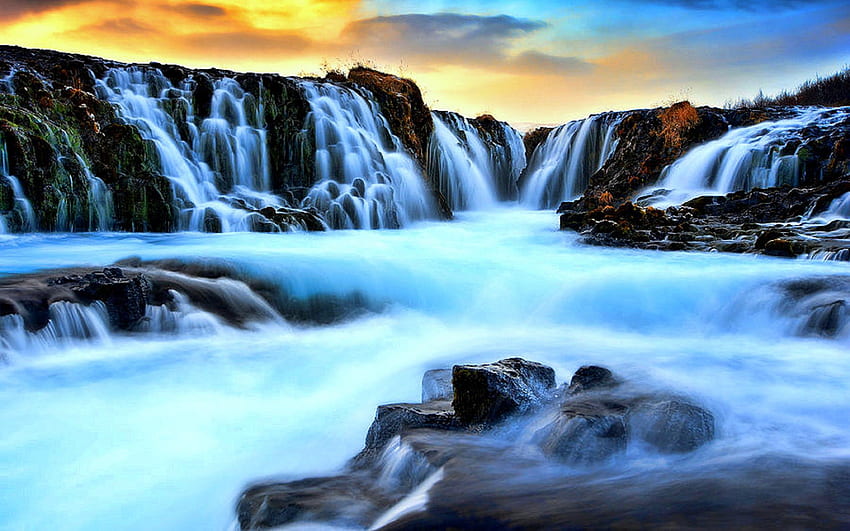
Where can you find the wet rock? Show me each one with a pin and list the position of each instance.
(585, 433)
(766, 236)
(351, 500)
(393, 419)
(125, 297)
(591, 377)
(534, 138)
(672, 426)
(827, 320)
(785, 248)
(487, 394)
(409, 443)
(437, 385)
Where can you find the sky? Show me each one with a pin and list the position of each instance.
(545, 62)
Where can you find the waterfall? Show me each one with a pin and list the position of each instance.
(68, 322)
(763, 155)
(510, 161)
(561, 166)
(22, 215)
(217, 168)
(364, 177)
(101, 211)
(460, 164)
(473, 168)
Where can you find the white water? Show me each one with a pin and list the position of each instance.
(471, 172)
(164, 429)
(743, 159)
(364, 177)
(561, 165)
(212, 166)
(23, 211)
(462, 166)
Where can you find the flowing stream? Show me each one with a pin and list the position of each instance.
(163, 429)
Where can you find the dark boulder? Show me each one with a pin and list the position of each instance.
(487, 394)
(591, 377)
(393, 419)
(350, 500)
(585, 433)
(672, 426)
(125, 297)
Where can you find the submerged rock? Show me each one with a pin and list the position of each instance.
(672, 425)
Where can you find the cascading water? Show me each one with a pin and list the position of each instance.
(85, 422)
(460, 163)
(758, 156)
(561, 166)
(68, 322)
(101, 211)
(364, 177)
(217, 167)
(22, 216)
(510, 162)
(471, 170)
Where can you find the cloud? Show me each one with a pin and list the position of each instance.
(238, 44)
(766, 6)
(440, 38)
(201, 10)
(12, 9)
(118, 26)
(476, 41)
(534, 62)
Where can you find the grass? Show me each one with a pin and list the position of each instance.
(829, 91)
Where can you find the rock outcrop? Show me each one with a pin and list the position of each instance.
(413, 446)
(614, 212)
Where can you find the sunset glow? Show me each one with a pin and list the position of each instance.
(545, 63)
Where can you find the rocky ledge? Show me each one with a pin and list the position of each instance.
(762, 221)
(613, 210)
(160, 296)
(478, 430)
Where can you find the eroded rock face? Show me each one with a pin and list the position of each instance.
(410, 445)
(402, 104)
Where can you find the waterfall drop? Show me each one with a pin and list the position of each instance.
(219, 168)
(21, 216)
(470, 167)
(364, 177)
(763, 155)
(561, 166)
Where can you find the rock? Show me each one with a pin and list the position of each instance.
(784, 248)
(393, 419)
(409, 443)
(350, 500)
(487, 394)
(766, 236)
(534, 138)
(672, 426)
(827, 320)
(585, 433)
(437, 385)
(591, 377)
(125, 297)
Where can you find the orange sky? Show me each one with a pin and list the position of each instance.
(543, 63)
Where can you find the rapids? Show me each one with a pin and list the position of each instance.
(164, 428)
